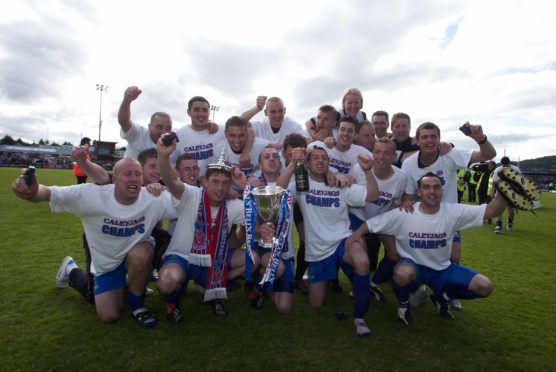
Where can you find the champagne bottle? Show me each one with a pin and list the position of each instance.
(301, 177)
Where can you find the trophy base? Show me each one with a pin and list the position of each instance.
(266, 244)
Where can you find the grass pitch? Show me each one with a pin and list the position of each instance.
(46, 328)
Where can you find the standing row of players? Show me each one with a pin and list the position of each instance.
(422, 249)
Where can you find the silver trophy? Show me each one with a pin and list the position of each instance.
(267, 201)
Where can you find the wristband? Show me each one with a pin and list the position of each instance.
(483, 141)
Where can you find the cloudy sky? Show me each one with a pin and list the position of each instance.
(489, 62)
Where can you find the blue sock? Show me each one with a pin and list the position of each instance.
(384, 270)
(402, 293)
(362, 295)
(135, 302)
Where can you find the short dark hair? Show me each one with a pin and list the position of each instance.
(236, 121)
(362, 124)
(428, 174)
(294, 140)
(399, 115)
(85, 140)
(147, 154)
(328, 108)
(427, 125)
(161, 114)
(349, 119)
(211, 171)
(505, 160)
(185, 156)
(197, 99)
(380, 113)
(316, 148)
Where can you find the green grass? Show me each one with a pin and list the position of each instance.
(46, 328)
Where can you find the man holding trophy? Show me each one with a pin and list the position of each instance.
(325, 212)
(271, 205)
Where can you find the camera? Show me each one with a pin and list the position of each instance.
(28, 176)
(167, 141)
(465, 129)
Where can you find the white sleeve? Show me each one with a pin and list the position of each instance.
(387, 223)
(357, 173)
(460, 157)
(468, 215)
(355, 195)
(133, 134)
(74, 199)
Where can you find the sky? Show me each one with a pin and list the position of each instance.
(487, 62)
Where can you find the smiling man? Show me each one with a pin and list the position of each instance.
(199, 137)
(423, 241)
(343, 156)
(380, 123)
(199, 247)
(241, 147)
(276, 125)
(140, 138)
(326, 223)
(118, 219)
(429, 159)
(391, 183)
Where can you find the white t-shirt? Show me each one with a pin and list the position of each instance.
(342, 161)
(112, 228)
(496, 177)
(427, 238)
(262, 129)
(325, 216)
(446, 167)
(390, 190)
(232, 158)
(138, 139)
(187, 207)
(199, 143)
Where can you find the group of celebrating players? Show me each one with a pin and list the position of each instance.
(366, 187)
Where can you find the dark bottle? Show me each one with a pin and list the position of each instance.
(301, 177)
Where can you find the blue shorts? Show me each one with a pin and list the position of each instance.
(285, 282)
(453, 278)
(327, 269)
(109, 281)
(355, 222)
(193, 272)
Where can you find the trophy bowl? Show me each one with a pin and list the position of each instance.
(267, 201)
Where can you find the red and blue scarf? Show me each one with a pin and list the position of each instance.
(210, 247)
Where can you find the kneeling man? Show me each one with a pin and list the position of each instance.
(118, 220)
(423, 241)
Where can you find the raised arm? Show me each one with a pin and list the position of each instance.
(284, 179)
(124, 113)
(298, 154)
(167, 172)
(245, 156)
(95, 171)
(486, 150)
(366, 164)
(259, 106)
